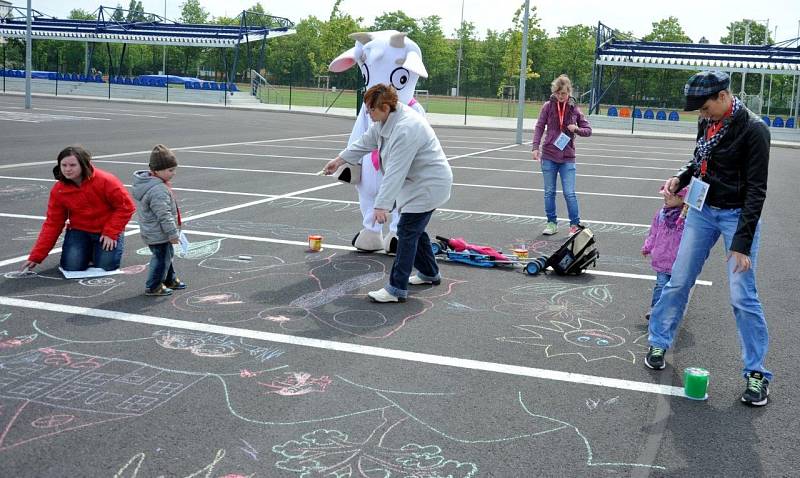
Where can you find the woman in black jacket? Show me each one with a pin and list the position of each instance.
(728, 170)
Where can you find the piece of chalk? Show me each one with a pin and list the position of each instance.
(322, 173)
(245, 258)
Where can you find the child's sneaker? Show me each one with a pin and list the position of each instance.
(550, 229)
(175, 285)
(757, 391)
(655, 358)
(574, 229)
(159, 291)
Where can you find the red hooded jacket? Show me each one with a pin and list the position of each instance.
(100, 205)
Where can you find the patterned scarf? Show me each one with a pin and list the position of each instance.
(704, 146)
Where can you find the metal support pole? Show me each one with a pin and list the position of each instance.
(28, 67)
(523, 70)
(164, 50)
(460, 50)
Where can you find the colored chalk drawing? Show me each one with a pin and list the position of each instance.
(331, 291)
(588, 340)
(332, 452)
(196, 250)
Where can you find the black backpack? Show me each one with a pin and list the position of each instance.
(576, 254)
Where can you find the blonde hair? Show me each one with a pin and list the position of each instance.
(561, 83)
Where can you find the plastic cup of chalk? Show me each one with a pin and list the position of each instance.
(695, 383)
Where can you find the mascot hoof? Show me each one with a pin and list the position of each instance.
(368, 241)
(390, 243)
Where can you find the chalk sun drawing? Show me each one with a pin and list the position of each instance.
(588, 340)
(564, 303)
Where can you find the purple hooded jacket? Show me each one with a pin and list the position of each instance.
(664, 238)
(548, 116)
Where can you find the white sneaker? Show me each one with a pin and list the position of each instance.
(383, 296)
(417, 280)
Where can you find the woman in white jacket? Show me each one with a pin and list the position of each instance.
(416, 180)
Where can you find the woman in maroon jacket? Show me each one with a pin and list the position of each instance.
(97, 206)
(563, 120)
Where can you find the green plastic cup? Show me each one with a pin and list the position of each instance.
(695, 383)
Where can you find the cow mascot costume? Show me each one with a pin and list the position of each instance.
(390, 58)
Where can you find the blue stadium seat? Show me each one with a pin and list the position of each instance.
(789, 123)
(674, 116)
(128, 80)
(2, 72)
(52, 76)
(648, 114)
(612, 111)
(98, 78)
(215, 86)
(662, 116)
(206, 85)
(187, 85)
(233, 87)
(766, 120)
(637, 113)
(777, 122)
(74, 77)
(136, 81)
(81, 77)
(19, 73)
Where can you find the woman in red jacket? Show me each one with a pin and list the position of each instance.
(97, 206)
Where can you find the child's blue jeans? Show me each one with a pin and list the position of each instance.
(661, 280)
(160, 269)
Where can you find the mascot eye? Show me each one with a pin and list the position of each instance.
(365, 73)
(399, 78)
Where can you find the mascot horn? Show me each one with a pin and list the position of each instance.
(387, 57)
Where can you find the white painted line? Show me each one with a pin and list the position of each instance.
(340, 201)
(638, 276)
(510, 188)
(182, 148)
(587, 156)
(266, 239)
(371, 351)
(260, 201)
(523, 171)
(241, 170)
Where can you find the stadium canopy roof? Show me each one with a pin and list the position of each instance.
(614, 49)
(767, 59)
(155, 30)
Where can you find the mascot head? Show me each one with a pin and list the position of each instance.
(387, 57)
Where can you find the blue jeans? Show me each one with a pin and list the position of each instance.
(81, 248)
(160, 269)
(550, 169)
(413, 250)
(661, 280)
(699, 235)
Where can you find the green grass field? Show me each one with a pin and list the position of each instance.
(432, 104)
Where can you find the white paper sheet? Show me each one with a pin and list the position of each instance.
(88, 273)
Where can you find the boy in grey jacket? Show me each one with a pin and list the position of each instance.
(159, 219)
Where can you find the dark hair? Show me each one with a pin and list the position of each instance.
(84, 159)
(380, 95)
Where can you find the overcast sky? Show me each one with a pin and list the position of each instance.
(698, 18)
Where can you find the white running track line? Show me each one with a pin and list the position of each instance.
(368, 350)
(305, 244)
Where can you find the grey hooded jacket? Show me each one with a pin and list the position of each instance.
(156, 209)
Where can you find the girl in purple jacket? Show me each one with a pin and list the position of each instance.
(563, 120)
(663, 240)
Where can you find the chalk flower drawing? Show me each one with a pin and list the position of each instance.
(588, 340)
(326, 452)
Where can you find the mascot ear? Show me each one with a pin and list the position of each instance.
(414, 64)
(361, 37)
(343, 61)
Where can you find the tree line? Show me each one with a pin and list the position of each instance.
(489, 62)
